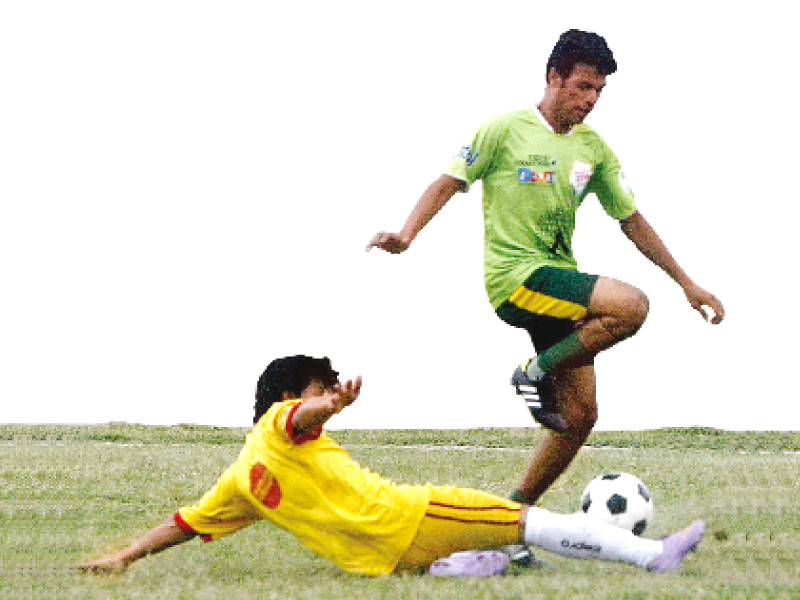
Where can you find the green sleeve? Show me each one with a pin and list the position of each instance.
(608, 182)
(476, 159)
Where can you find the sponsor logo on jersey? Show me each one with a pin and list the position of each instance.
(468, 154)
(264, 486)
(537, 160)
(526, 175)
(580, 176)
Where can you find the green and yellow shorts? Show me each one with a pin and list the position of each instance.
(549, 304)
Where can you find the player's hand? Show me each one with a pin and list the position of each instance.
(347, 392)
(334, 401)
(699, 299)
(393, 243)
(103, 566)
(315, 411)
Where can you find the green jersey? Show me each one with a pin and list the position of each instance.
(533, 182)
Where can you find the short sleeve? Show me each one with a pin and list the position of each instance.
(221, 511)
(611, 187)
(476, 159)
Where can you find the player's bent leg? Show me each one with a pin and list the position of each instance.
(577, 392)
(616, 312)
(578, 400)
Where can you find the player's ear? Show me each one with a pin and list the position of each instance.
(554, 79)
(287, 396)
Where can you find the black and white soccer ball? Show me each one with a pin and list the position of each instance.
(619, 499)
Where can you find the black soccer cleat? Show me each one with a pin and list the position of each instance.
(521, 555)
(540, 398)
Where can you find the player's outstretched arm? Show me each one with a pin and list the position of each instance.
(314, 412)
(430, 203)
(161, 537)
(645, 238)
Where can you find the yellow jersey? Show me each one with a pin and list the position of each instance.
(310, 486)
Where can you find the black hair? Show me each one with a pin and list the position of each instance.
(290, 374)
(575, 46)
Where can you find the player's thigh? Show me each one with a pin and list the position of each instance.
(461, 519)
(549, 304)
(613, 297)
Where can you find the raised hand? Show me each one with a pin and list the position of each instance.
(348, 392)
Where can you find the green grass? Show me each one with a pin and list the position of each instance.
(71, 493)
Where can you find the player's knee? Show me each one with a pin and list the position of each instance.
(639, 308)
(633, 310)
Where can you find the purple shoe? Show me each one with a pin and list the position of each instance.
(676, 547)
(472, 563)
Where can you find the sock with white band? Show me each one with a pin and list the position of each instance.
(580, 536)
(555, 355)
(533, 370)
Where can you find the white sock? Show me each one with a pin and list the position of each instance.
(533, 370)
(580, 536)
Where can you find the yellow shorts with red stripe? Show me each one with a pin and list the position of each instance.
(461, 519)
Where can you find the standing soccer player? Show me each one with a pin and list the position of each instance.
(537, 166)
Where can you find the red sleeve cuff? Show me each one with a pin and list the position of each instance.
(301, 437)
(186, 528)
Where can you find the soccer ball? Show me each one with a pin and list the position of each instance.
(619, 499)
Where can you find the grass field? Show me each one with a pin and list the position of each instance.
(70, 493)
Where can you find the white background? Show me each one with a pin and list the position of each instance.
(187, 189)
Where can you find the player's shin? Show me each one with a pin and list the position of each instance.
(581, 536)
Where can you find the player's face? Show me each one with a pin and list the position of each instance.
(576, 95)
(313, 389)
